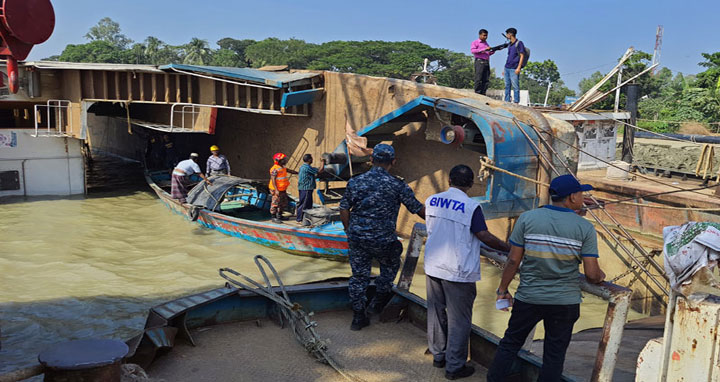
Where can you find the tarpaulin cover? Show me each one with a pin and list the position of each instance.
(689, 247)
(210, 195)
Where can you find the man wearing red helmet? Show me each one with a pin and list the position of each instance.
(279, 182)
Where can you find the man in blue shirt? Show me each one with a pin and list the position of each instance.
(369, 210)
(516, 55)
(306, 185)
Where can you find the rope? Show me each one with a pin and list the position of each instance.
(292, 312)
(485, 162)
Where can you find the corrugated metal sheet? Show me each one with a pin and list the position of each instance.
(92, 66)
(276, 79)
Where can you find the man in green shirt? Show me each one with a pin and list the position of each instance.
(551, 242)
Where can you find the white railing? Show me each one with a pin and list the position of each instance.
(60, 109)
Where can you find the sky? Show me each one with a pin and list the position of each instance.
(580, 36)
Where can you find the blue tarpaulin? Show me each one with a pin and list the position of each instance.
(276, 79)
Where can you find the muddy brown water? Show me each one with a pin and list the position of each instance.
(91, 267)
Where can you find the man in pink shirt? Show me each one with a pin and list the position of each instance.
(482, 52)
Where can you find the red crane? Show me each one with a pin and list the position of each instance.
(23, 24)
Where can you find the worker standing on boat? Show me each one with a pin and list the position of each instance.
(217, 164)
(306, 184)
(369, 211)
(279, 183)
(482, 52)
(551, 242)
(181, 176)
(456, 227)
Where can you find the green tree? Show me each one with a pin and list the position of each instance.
(109, 31)
(159, 53)
(296, 54)
(196, 52)
(95, 51)
(536, 76)
(457, 71)
(237, 46)
(225, 57)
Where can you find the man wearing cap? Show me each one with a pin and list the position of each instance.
(217, 164)
(181, 177)
(279, 183)
(551, 242)
(369, 211)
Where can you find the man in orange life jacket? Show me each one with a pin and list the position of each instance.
(279, 182)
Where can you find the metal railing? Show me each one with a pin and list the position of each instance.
(618, 298)
(60, 109)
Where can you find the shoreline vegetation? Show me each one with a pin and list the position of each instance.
(669, 102)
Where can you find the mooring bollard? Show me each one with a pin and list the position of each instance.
(84, 361)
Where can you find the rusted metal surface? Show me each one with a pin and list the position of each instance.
(84, 361)
(412, 255)
(615, 317)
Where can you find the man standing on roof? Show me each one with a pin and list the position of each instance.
(181, 177)
(279, 183)
(516, 55)
(369, 211)
(551, 242)
(217, 164)
(456, 228)
(482, 52)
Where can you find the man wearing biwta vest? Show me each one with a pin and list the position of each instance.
(456, 227)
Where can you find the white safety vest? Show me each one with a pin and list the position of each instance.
(452, 252)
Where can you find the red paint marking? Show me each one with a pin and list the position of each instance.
(675, 356)
(498, 132)
(213, 119)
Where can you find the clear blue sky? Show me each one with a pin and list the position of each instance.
(580, 36)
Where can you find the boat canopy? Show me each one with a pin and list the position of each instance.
(211, 195)
(494, 133)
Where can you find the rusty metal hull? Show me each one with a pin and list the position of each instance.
(225, 305)
(327, 241)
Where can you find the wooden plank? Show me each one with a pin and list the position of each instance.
(129, 86)
(106, 95)
(153, 81)
(92, 84)
(189, 89)
(224, 94)
(272, 99)
(248, 98)
(177, 88)
(167, 88)
(142, 86)
(260, 98)
(117, 85)
(237, 95)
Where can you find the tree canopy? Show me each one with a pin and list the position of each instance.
(665, 96)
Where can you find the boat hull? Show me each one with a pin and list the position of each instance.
(326, 241)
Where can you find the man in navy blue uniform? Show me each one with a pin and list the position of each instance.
(369, 211)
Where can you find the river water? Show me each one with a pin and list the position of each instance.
(93, 266)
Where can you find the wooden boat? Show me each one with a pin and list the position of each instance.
(231, 333)
(243, 211)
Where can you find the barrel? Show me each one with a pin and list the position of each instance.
(93, 360)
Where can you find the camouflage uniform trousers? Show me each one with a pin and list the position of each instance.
(361, 255)
(279, 202)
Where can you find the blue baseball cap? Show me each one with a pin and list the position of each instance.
(383, 152)
(565, 185)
